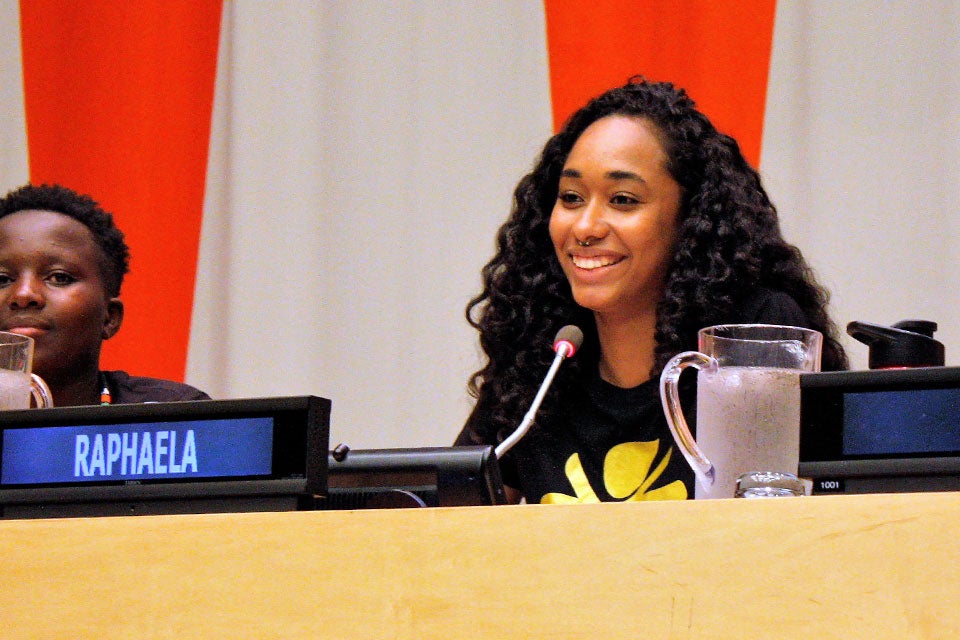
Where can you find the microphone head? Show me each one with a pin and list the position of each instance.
(570, 338)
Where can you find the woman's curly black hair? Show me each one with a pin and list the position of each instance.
(729, 244)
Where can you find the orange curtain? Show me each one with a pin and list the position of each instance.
(718, 50)
(118, 99)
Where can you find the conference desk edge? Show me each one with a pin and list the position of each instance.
(881, 565)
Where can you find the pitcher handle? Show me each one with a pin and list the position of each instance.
(670, 397)
(41, 392)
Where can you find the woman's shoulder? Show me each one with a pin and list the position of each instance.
(127, 389)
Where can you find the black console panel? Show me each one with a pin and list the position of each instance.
(881, 431)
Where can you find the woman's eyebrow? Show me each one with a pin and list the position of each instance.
(612, 175)
(624, 175)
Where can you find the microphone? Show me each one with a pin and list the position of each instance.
(566, 344)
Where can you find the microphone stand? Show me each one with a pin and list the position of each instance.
(563, 350)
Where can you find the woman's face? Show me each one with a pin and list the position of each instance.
(616, 195)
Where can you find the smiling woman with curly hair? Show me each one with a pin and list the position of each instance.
(641, 224)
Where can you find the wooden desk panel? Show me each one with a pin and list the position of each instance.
(879, 566)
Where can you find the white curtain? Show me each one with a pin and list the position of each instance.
(13, 130)
(363, 155)
(861, 154)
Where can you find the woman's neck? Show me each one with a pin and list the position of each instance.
(77, 391)
(627, 347)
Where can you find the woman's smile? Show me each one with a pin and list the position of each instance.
(590, 263)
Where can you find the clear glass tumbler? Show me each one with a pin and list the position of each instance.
(769, 484)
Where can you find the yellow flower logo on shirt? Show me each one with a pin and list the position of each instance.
(627, 476)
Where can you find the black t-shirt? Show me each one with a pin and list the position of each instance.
(127, 389)
(613, 444)
(609, 444)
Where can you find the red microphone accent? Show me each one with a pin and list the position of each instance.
(570, 347)
(568, 340)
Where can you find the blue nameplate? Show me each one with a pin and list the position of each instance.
(167, 457)
(237, 447)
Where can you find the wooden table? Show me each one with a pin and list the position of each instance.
(871, 566)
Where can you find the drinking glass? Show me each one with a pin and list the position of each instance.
(17, 382)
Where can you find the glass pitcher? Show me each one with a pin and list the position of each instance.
(748, 401)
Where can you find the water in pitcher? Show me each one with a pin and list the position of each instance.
(748, 419)
(14, 389)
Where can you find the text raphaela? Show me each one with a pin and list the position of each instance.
(135, 453)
